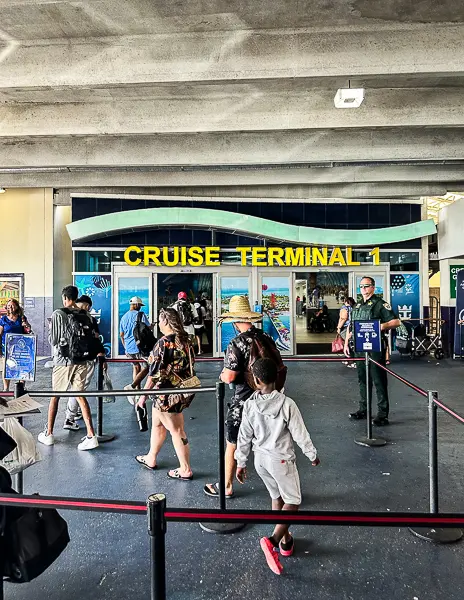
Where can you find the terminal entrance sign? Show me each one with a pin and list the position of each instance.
(367, 336)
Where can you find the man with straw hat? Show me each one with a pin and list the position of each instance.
(249, 344)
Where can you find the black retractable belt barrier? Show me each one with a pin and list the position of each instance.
(368, 440)
(437, 535)
(156, 505)
(100, 377)
(221, 527)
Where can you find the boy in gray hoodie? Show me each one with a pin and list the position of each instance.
(271, 422)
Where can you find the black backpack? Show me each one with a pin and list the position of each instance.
(82, 344)
(143, 336)
(185, 313)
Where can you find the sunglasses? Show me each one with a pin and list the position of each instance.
(365, 285)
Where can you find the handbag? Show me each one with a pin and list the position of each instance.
(338, 345)
(189, 382)
(165, 402)
(34, 540)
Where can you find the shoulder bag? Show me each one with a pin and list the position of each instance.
(189, 382)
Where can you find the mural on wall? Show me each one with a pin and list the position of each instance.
(405, 295)
(98, 287)
(276, 311)
(230, 286)
(128, 287)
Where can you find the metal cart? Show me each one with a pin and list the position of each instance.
(425, 337)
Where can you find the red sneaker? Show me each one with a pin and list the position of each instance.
(290, 550)
(271, 555)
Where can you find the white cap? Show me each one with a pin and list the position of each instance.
(136, 300)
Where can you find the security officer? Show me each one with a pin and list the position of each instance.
(373, 307)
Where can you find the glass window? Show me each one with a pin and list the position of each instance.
(92, 261)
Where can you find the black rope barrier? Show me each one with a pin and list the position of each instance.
(414, 387)
(196, 515)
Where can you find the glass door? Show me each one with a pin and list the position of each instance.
(276, 294)
(227, 286)
(126, 285)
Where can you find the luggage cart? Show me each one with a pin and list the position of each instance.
(426, 337)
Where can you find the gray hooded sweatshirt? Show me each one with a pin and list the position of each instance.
(271, 422)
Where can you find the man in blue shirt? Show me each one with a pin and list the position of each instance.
(126, 329)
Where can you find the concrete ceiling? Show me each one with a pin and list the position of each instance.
(181, 96)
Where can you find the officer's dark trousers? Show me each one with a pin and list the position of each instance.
(379, 378)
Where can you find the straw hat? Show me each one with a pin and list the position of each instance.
(240, 311)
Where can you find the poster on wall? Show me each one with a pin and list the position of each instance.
(405, 295)
(276, 311)
(459, 329)
(230, 286)
(98, 287)
(11, 287)
(454, 270)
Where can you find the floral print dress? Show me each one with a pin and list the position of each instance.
(171, 364)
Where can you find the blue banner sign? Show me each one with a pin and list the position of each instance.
(20, 357)
(367, 336)
(405, 295)
(458, 329)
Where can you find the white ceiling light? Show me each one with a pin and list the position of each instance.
(349, 97)
(2, 190)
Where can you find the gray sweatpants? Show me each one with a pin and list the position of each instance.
(73, 405)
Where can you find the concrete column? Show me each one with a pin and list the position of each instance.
(62, 252)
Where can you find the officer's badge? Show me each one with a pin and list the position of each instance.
(369, 303)
(387, 306)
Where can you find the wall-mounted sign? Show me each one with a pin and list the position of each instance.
(454, 270)
(257, 256)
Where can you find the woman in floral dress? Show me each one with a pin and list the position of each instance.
(171, 361)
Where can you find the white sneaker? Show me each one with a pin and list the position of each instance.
(88, 443)
(78, 416)
(48, 440)
(130, 398)
(71, 425)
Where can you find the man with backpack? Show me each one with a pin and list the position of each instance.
(243, 351)
(138, 341)
(73, 412)
(187, 312)
(74, 344)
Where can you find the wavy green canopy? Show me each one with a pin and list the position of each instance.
(110, 224)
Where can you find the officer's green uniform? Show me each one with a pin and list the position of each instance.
(374, 308)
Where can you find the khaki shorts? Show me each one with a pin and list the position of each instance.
(280, 477)
(72, 377)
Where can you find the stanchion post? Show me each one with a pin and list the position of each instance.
(368, 440)
(102, 438)
(220, 395)
(368, 397)
(445, 535)
(19, 391)
(156, 505)
(433, 452)
(221, 527)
